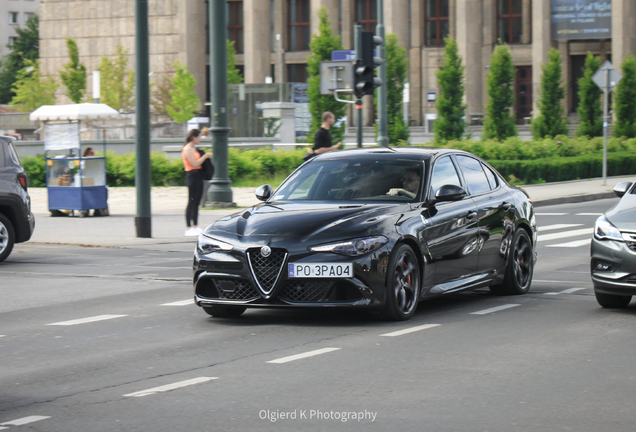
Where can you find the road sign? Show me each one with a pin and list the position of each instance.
(614, 76)
(346, 55)
(335, 75)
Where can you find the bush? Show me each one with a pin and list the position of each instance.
(35, 168)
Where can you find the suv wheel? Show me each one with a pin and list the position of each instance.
(7, 237)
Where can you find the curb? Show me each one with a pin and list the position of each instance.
(574, 199)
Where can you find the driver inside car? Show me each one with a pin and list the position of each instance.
(410, 183)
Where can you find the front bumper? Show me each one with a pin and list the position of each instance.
(613, 267)
(232, 279)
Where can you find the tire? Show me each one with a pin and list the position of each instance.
(220, 311)
(611, 301)
(7, 237)
(83, 213)
(518, 276)
(403, 285)
(101, 212)
(58, 213)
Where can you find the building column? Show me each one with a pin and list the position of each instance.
(415, 63)
(347, 23)
(623, 30)
(256, 30)
(396, 20)
(541, 43)
(469, 42)
(332, 10)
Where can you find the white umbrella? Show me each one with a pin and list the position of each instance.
(83, 111)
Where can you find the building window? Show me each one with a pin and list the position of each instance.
(367, 14)
(12, 40)
(235, 24)
(207, 28)
(13, 17)
(28, 16)
(299, 25)
(297, 73)
(509, 21)
(437, 24)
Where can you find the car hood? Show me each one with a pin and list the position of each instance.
(305, 220)
(623, 215)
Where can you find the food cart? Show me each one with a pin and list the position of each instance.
(74, 182)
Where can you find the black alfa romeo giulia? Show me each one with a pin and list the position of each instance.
(379, 229)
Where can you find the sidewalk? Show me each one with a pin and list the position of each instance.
(168, 213)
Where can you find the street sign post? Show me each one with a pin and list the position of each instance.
(607, 77)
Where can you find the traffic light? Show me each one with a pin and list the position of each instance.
(364, 81)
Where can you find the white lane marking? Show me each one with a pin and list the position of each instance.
(3, 428)
(180, 303)
(410, 330)
(303, 355)
(169, 387)
(87, 320)
(23, 421)
(550, 214)
(567, 291)
(589, 214)
(556, 226)
(577, 243)
(495, 309)
(565, 234)
(2, 335)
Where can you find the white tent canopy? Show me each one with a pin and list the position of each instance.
(83, 111)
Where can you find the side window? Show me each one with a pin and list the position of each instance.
(474, 175)
(13, 155)
(492, 178)
(444, 173)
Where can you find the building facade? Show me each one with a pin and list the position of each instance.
(15, 14)
(271, 38)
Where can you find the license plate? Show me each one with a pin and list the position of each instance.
(320, 270)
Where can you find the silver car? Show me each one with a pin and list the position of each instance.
(613, 263)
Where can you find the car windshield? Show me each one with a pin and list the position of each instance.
(354, 180)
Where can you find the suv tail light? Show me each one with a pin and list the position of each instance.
(22, 179)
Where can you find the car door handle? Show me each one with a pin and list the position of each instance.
(505, 206)
(471, 215)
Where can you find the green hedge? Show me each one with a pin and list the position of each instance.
(521, 162)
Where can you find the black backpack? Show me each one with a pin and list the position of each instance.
(207, 169)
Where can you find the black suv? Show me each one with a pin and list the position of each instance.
(16, 220)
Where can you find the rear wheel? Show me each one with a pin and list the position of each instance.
(403, 285)
(221, 311)
(611, 301)
(7, 237)
(518, 276)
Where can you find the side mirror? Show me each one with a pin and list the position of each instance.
(450, 193)
(263, 192)
(621, 188)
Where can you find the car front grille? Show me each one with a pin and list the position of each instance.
(266, 270)
(235, 289)
(630, 240)
(307, 291)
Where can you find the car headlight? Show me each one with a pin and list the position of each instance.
(207, 245)
(603, 229)
(355, 247)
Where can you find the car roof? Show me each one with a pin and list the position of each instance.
(413, 153)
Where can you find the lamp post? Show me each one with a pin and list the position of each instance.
(219, 193)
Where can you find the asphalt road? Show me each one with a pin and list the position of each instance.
(107, 339)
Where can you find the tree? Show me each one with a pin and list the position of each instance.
(74, 74)
(184, 99)
(450, 124)
(233, 75)
(117, 85)
(499, 123)
(625, 101)
(31, 90)
(25, 47)
(397, 66)
(161, 93)
(589, 108)
(321, 46)
(550, 121)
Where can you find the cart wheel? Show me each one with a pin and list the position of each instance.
(101, 212)
(83, 213)
(57, 213)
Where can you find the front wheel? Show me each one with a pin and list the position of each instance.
(610, 301)
(221, 311)
(7, 237)
(520, 267)
(403, 285)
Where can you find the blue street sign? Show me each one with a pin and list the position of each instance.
(346, 55)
